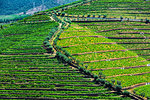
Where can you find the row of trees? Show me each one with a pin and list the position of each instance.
(65, 57)
(46, 43)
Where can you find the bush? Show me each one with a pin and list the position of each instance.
(99, 16)
(102, 81)
(108, 85)
(126, 93)
(47, 44)
(95, 77)
(81, 69)
(118, 88)
(147, 21)
(63, 14)
(87, 72)
(142, 94)
(47, 38)
(119, 82)
(113, 81)
(104, 16)
(50, 49)
(97, 81)
(88, 15)
(58, 13)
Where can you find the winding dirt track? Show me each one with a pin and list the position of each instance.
(97, 52)
(128, 74)
(123, 29)
(112, 43)
(112, 59)
(112, 51)
(88, 44)
(97, 36)
(118, 68)
(135, 86)
(133, 33)
(113, 24)
(128, 37)
(144, 54)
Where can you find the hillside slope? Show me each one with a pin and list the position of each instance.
(99, 56)
(8, 7)
(111, 37)
(28, 71)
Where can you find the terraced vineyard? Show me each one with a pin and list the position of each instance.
(138, 9)
(39, 76)
(46, 56)
(29, 72)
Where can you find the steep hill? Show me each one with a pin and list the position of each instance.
(92, 49)
(8, 7)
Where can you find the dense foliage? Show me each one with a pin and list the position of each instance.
(12, 7)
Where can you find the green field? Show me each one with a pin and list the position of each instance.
(106, 56)
(45, 56)
(126, 8)
(28, 72)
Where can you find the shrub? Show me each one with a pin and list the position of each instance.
(88, 15)
(63, 14)
(126, 93)
(81, 69)
(97, 81)
(58, 13)
(104, 16)
(99, 16)
(118, 88)
(113, 81)
(50, 49)
(147, 21)
(142, 94)
(88, 72)
(95, 77)
(102, 81)
(47, 38)
(47, 44)
(119, 82)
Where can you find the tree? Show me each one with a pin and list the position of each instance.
(86, 66)
(104, 16)
(118, 88)
(102, 81)
(63, 14)
(119, 82)
(97, 81)
(147, 21)
(95, 77)
(50, 49)
(121, 18)
(142, 94)
(47, 38)
(83, 16)
(1, 27)
(126, 93)
(58, 13)
(47, 44)
(99, 16)
(63, 9)
(81, 69)
(108, 85)
(88, 15)
(87, 72)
